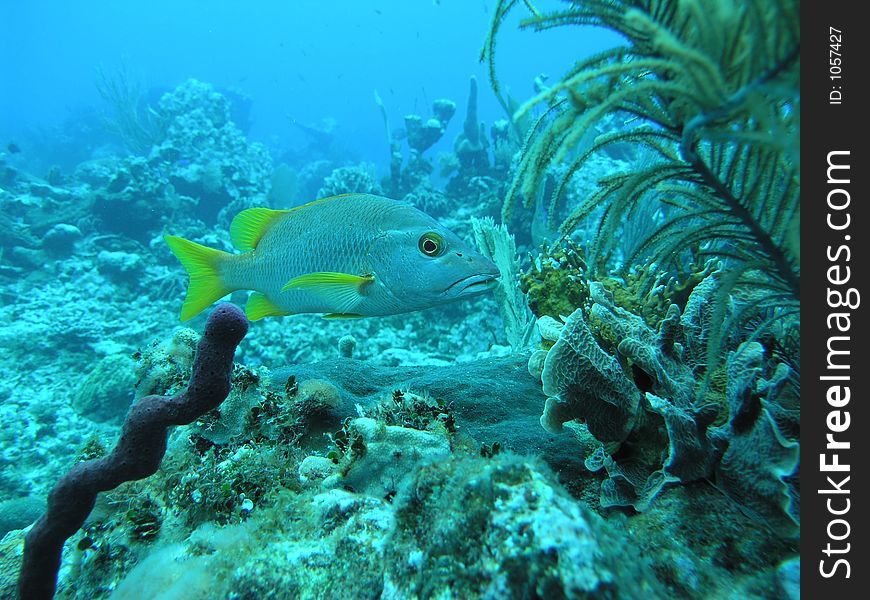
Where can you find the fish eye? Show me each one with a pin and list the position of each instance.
(431, 244)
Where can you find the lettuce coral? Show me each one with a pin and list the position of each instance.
(582, 381)
(658, 425)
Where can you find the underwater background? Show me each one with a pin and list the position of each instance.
(618, 418)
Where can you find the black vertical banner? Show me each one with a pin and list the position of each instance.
(835, 230)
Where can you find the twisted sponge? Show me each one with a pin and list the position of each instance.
(137, 454)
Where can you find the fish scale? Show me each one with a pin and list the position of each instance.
(289, 249)
(328, 235)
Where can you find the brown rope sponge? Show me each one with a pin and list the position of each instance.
(137, 454)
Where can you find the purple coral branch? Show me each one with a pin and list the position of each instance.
(137, 454)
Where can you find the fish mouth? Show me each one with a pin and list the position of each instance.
(473, 284)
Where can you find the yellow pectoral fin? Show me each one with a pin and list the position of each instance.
(258, 306)
(340, 292)
(250, 225)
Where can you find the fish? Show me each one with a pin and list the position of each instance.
(13, 148)
(346, 256)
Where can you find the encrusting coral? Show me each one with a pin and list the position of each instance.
(555, 281)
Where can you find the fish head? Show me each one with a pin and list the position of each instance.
(426, 264)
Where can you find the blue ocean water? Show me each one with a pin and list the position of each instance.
(555, 363)
(298, 61)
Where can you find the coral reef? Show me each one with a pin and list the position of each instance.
(640, 399)
(384, 496)
(619, 419)
(528, 535)
(201, 167)
(714, 130)
(420, 135)
(349, 180)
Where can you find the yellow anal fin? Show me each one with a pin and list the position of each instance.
(340, 292)
(258, 306)
(337, 316)
(250, 225)
(203, 266)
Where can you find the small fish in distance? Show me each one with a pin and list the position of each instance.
(353, 255)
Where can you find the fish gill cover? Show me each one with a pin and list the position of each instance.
(616, 415)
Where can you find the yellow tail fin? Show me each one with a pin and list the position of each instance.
(202, 264)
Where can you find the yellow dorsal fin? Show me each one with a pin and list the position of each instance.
(203, 266)
(322, 200)
(249, 226)
(258, 306)
(341, 292)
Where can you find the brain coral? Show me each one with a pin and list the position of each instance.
(106, 392)
(347, 180)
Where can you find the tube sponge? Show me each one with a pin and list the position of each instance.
(137, 454)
